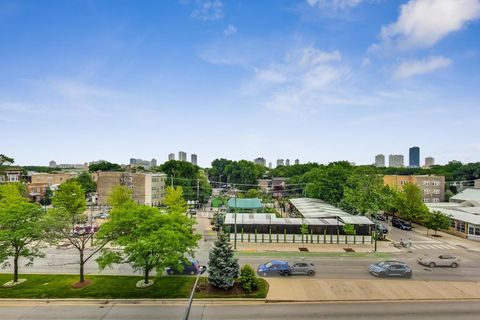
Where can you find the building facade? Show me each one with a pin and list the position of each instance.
(182, 156)
(429, 161)
(432, 187)
(171, 156)
(379, 161)
(297, 161)
(395, 160)
(147, 188)
(40, 182)
(193, 159)
(287, 162)
(279, 162)
(414, 157)
(260, 161)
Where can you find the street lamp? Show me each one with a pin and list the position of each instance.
(235, 240)
(201, 270)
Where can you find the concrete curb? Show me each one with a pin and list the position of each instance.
(370, 300)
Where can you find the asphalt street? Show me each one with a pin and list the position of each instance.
(339, 311)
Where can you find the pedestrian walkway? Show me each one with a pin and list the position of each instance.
(382, 246)
(448, 239)
(433, 247)
(324, 290)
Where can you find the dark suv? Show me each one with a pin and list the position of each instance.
(400, 224)
(190, 267)
(391, 269)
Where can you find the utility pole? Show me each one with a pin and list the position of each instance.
(200, 272)
(235, 240)
(198, 192)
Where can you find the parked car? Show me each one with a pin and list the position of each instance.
(391, 269)
(380, 228)
(381, 217)
(190, 267)
(102, 215)
(284, 268)
(400, 224)
(444, 260)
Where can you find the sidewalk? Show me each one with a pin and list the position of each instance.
(382, 246)
(335, 290)
(448, 238)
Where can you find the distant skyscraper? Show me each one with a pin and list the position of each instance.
(287, 162)
(297, 162)
(133, 161)
(395, 160)
(193, 158)
(171, 156)
(279, 162)
(153, 163)
(414, 157)
(270, 165)
(182, 156)
(379, 161)
(260, 161)
(52, 164)
(429, 161)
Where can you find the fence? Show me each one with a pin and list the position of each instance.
(299, 238)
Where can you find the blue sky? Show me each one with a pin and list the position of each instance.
(318, 80)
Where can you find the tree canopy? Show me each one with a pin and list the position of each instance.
(86, 181)
(104, 166)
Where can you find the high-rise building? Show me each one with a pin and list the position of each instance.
(279, 162)
(260, 161)
(182, 156)
(153, 163)
(287, 162)
(429, 161)
(379, 161)
(395, 160)
(133, 161)
(193, 159)
(171, 156)
(52, 164)
(297, 161)
(414, 157)
(270, 165)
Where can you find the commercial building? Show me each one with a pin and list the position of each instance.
(395, 160)
(379, 161)
(470, 194)
(182, 156)
(260, 161)
(279, 162)
(171, 156)
(414, 157)
(147, 188)
(429, 161)
(193, 159)
(433, 187)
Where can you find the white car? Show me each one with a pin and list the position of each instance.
(444, 260)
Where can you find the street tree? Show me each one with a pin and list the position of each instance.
(22, 227)
(174, 200)
(119, 195)
(147, 238)
(252, 193)
(223, 267)
(66, 222)
(86, 181)
(304, 231)
(363, 193)
(436, 220)
(410, 203)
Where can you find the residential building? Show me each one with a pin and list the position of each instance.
(147, 188)
(287, 162)
(297, 161)
(171, 156)
(414, 157)
(395, 160)
(379, 161)
(260, 161)
(477, 183)
(429, 161)
(433, 187)
(270, 165)
(153, 163)
(193, 159)
(142, 163)
(52, 164)
(40, 182)
(265, 184)
(12, 174)
(182, 156)
(279, 162)
(279, 185)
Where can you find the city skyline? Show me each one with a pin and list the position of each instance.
(325, 80)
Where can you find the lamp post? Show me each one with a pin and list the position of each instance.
(200, 272)
(235, 240)
(375, 249)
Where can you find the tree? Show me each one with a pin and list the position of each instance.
(151, 239)
(252, 193)
(104, 166)
(223, 267)
(47, 198)
(120, 195)
(303, 231)
(436, 220)
(349, 230)
(86, 181)
(248, 278)
(363, 193)
(410, 203)
(21, 228)
(66, 220)
(5, 160)
(174, 200)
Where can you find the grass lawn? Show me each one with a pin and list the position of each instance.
(286, 254)
(111, 287)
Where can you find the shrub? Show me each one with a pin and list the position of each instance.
(248, 278)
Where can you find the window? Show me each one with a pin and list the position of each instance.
(452, 223)
(460, 226)
(436, 191)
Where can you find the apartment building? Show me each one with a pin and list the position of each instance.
(379, 161)
(433, 187)
(395, 160)
(40, 182)
(147, 188)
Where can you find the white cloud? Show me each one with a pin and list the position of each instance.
(311, 56)
(208, 10)
(74, 89)
(229, 30)
(422, 23)
(335, 4)
(418, 67)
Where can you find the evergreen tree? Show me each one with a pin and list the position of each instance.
(223, 267)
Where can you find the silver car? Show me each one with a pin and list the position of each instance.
(302, 267)
(444, 260)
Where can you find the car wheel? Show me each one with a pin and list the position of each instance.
(310, 273)
(264, 274)
(408, 275)
(192, 272)
(382, 275)
(432, 265)
(286, 273)
(170, 272)
(454, 265)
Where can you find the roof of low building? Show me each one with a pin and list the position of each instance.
(240, 203)
(470, 194)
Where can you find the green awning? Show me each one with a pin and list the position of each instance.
(254, 203)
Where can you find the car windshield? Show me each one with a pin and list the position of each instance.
(268, 264)
(383, 264)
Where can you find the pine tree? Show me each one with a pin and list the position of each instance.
(223, 267)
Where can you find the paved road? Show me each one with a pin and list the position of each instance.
(384, 311)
